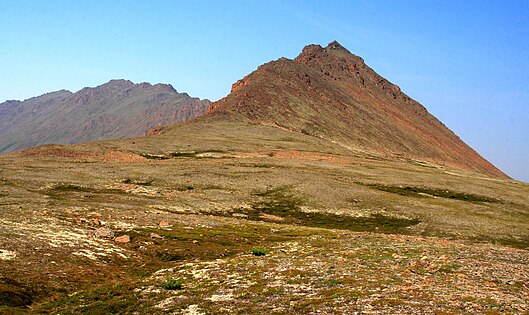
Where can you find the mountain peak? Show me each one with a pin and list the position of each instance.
(332, 94)
(333, 53)
(309, 50)
(112, 85)
(119, 81)
(313, 48)
(118, 85)
(334, 45)
(166, 87)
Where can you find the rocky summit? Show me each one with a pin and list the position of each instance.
(332, 94)
(315, 187)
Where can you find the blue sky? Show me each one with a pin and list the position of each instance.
(466, 61)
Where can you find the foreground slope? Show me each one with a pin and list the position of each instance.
(345, 230)
(331, 93)
(117, 109)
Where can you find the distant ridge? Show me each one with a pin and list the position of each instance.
(117, 109)
(332, 94)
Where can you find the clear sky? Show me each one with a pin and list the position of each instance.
(466, 61)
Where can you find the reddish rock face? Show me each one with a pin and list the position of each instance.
(332, 94)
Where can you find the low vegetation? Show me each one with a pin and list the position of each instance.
(259, 251)
(425, 192)
(173, 284)
(328, 242)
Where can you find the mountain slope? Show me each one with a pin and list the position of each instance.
(332, 94)
(117, 109)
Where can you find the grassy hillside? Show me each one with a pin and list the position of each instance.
(341, 230)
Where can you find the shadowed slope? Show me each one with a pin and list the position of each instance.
(332, 94)
(117, 109)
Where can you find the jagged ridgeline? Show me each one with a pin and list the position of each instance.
(115, 110)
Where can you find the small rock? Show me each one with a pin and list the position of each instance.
(239, 215)
(221, 298)
(122, 239)
(104, 232)
(164, 223)
(490, 284)
(7, 255)
(431, 266)
(271, 217)
(154, 235)
(96, 221)
(193, 309)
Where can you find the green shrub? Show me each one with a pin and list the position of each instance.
(259, 251)
(172, 284)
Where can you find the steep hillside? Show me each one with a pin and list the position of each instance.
(117, 109)
(332, 94)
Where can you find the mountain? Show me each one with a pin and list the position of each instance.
(310, 189)
(332, 94)
(114, 110)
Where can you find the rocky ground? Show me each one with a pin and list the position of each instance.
(304, 271)
(158, 227)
